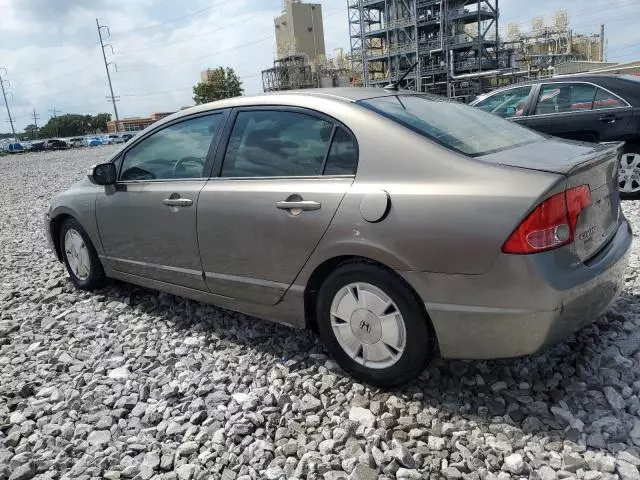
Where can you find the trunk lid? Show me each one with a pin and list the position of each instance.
(595, 165)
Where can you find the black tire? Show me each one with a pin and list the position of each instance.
(420, 338)
(96, 278)
(630, 148)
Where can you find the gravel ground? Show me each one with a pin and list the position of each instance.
(131, 383)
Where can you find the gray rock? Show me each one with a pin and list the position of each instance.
(408, 473)
(572, 462)
(362, 415)
(627, 471)
(436, 443)
(99, 437)
(120, 373)
(186, 471)
(614, 398)
(514, 463)
(545, 472)
(627, 457)
(451, 473)
(23, 472)
(363, 472)
(402, 455)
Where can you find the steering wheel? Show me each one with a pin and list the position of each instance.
(179, 163)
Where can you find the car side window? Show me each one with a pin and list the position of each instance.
(565, 98)
(276, 143)
(175, 152)
(343, 155)
(510, 103)
(605, 99)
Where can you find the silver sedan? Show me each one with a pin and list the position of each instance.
(398, 226)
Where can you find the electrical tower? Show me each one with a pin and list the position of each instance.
(4, 95)
(35, 117)
(106, 66)
(54, 113)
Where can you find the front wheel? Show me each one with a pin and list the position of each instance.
(80, 257)
(629, 173)
(373, 325)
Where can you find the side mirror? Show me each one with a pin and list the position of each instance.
(103, 174)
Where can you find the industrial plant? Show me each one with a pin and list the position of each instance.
(453, 48)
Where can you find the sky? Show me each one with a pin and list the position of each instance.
(52, 58)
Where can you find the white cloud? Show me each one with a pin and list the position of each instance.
(50, 47)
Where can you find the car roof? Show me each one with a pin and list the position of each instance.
(346, 95)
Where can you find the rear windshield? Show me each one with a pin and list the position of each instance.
(459, 127)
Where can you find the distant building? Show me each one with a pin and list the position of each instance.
(135, 124)
(299, 30)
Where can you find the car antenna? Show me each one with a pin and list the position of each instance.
(395, 85)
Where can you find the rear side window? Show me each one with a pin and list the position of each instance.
(277, 143)
(343, 156)
(465, 129)
(605, 99)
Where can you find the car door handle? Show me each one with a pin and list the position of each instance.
(177, 202)
(608, 119)
(300, 205)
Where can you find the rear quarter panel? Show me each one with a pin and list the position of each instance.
(449, 213)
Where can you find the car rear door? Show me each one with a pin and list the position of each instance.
(578, 111)
(279, 179)
(613, 114)
(147, 222)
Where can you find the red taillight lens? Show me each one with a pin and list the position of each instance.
(552, 223)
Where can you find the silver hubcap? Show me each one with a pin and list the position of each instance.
(368, 325)
(629, 175)
(77, 254)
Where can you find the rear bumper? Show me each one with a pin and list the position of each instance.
(523, 303)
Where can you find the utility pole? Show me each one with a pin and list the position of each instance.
(106, 66)
(55, 112)
(4, 95)
(602, 43)
(35, 121)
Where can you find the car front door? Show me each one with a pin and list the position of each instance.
(282, 176)
(147, 223)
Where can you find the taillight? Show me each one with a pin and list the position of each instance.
(551, 225)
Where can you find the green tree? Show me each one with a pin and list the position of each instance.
(222, 83)
(99, 122)
(31, 131)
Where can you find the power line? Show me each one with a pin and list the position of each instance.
(177, 89)
(175, 19)
(6, 103)
(106, 66)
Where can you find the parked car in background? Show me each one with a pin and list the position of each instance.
(592, 108)
(112, 138)
(127, 136)
(76, 142)
(92, 141)
(55, 144)
(37, 146)
(15, 147)
(477, 239)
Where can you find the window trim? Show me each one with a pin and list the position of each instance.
(534, 105)
(164, 125)
(221, 150)
(527, 104)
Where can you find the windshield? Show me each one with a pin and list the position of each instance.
(459, 127)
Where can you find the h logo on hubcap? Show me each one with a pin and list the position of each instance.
(365, 326)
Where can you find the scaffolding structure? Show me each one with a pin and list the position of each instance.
(454, 42)
(288, 73)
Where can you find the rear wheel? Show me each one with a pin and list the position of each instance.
(629, 173)
(80, 256)
(373, 325)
